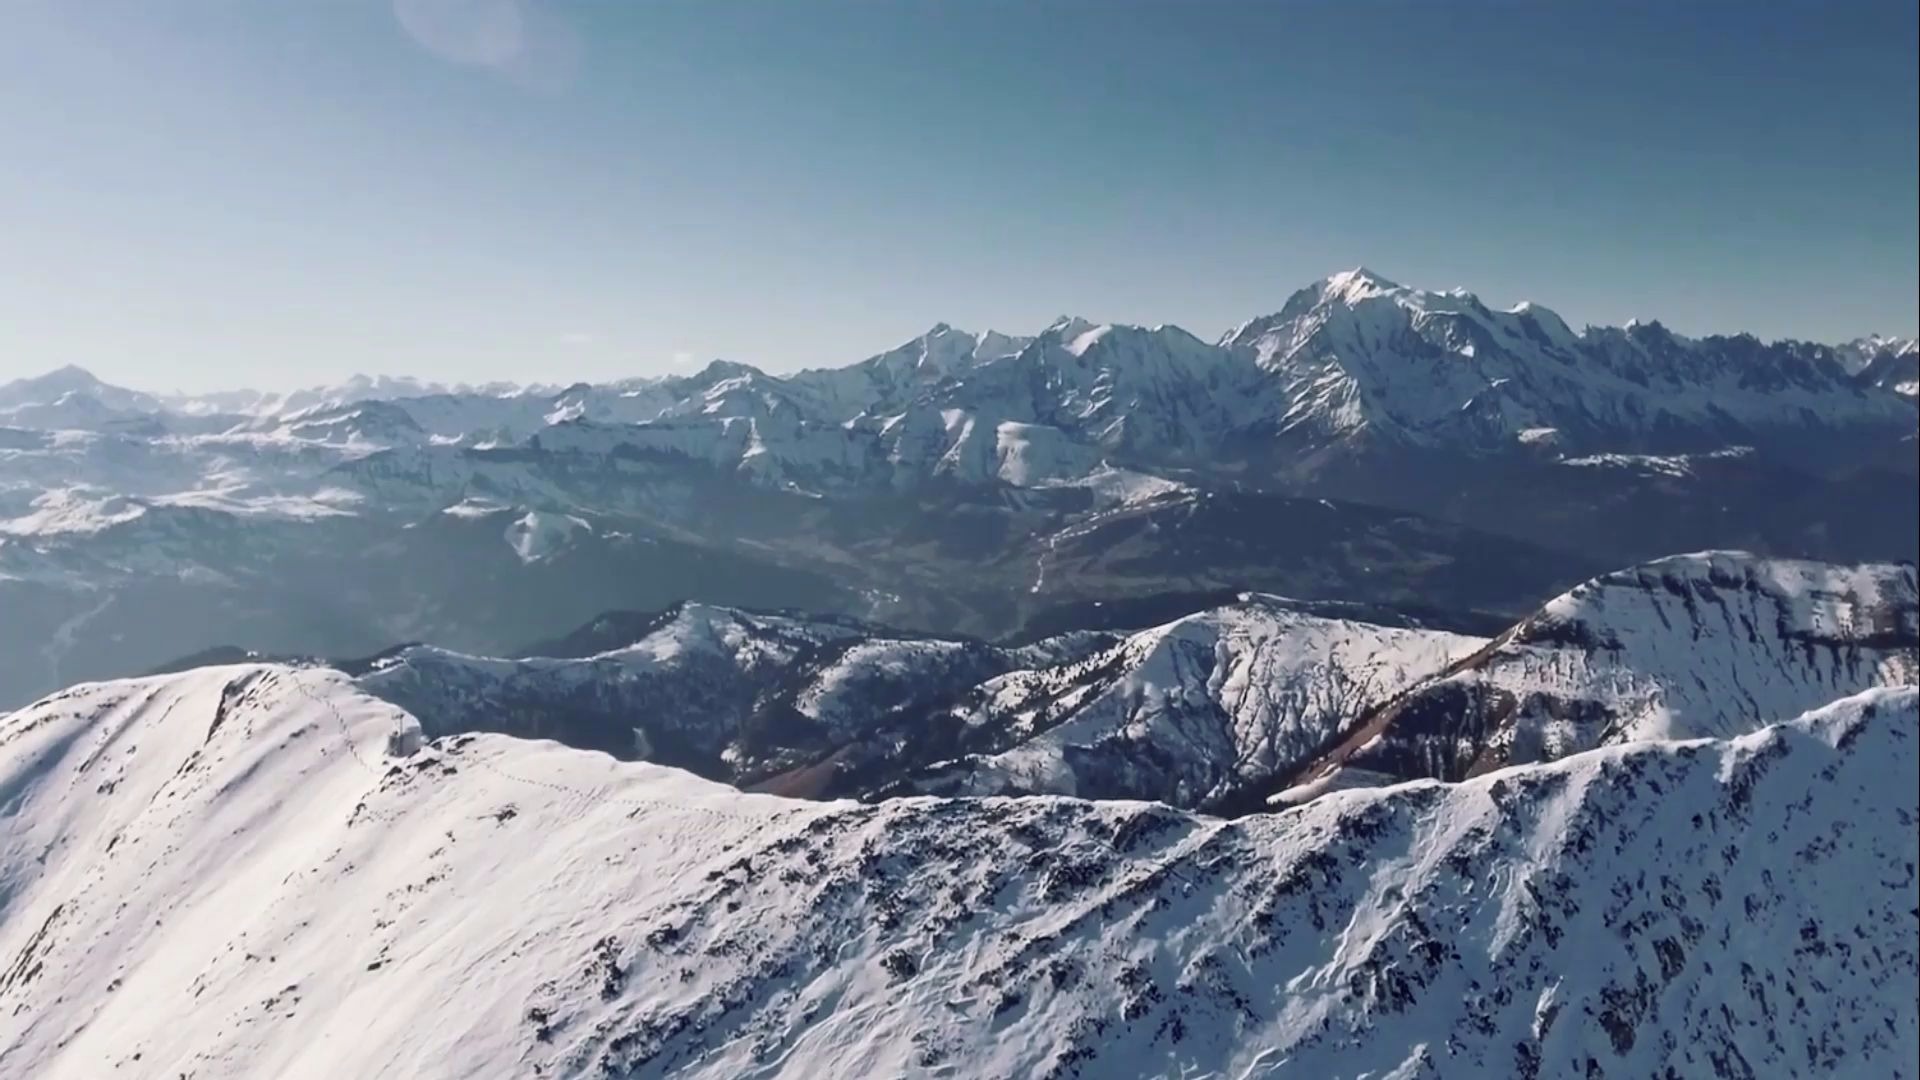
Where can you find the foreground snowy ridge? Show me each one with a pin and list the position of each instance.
(258, 871)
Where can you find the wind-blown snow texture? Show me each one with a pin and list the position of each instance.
(258, 871)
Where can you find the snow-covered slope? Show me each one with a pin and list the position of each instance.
(1193, 711)
(259, 871)
(1712, 644)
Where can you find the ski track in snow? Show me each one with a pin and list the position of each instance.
(61, 641)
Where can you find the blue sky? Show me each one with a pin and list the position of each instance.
(207, 193)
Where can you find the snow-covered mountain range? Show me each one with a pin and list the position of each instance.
(262, 870)
(1352, 356)
(1367, 442)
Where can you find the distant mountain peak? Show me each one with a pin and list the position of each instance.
(1875, 351)
(67, 382)
(1068, 327)
(1359, 282)
(70, 373)
(726, 369)
(993, 343)
(64, 378)
(1884, 343)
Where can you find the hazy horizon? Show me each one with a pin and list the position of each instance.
(685, 364)
(209, 195)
